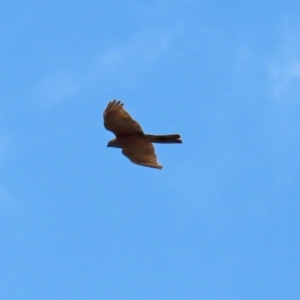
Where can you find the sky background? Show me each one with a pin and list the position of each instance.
(221, 220)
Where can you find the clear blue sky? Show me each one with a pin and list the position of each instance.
(220, 221)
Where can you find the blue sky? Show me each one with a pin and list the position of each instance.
(79, 220)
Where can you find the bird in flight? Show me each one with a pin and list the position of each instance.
(135, 144)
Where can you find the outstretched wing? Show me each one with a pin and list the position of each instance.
(141, 152)
(117, 120)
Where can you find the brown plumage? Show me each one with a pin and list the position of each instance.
(130, 137)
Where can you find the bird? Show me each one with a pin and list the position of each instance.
(130, 137)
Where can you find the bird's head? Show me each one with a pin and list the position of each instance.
(114, 143)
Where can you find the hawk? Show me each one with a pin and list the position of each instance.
(135, 144)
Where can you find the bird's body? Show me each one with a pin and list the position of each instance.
(135, 144)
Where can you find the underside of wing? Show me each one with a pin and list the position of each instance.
(117, 120)
(141, 152)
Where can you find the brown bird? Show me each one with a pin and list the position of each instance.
(135, 144)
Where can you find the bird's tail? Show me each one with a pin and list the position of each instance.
(165, 139)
